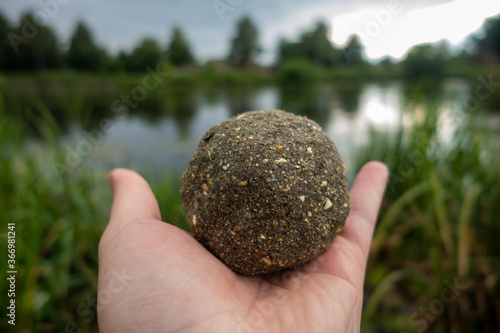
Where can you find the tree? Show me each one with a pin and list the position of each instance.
(425, 61)
(489, 45)
(353, 52)
(318, 48)
(5, 48)
(386, 62)
(289, 51)
(30, 46)
(244, 45)
(146, 54)
(178, 51)
(83, 53)
(313, 46)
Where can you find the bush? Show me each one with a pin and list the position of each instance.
(298, 72)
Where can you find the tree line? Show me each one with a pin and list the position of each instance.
(29, 46)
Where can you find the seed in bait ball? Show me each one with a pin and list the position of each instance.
(328, 204)
(265, 191)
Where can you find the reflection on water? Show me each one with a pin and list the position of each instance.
(377, 106)
(164, 129)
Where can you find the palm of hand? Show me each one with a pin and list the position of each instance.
(155, 277)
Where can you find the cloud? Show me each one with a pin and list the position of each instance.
(121, 24)
(385, 33)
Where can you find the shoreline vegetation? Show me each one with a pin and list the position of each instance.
(438, 225)
(292, 73)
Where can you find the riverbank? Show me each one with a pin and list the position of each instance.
(438, 222)
(295, 72)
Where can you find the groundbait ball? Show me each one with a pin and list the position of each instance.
(265, 191)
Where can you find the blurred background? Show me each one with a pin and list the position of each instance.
(86, 86)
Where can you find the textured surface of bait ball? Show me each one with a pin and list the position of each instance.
(265, 191)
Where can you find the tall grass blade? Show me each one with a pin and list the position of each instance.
(392, 215)
(464, 230)
(381, 290)
(444, 226)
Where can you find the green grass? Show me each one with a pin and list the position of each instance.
(439, 221)
(59, 221)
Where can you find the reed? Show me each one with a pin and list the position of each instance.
(59, 220)
(438, 223)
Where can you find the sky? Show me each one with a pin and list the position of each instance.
(386, 27)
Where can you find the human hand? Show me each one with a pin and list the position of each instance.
(155, 277)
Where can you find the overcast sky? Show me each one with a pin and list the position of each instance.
(388, 27)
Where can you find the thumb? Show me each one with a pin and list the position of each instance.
(132, 198)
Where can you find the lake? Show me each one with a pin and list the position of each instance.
(162, 131)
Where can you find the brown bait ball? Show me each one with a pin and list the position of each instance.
(265, 191)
